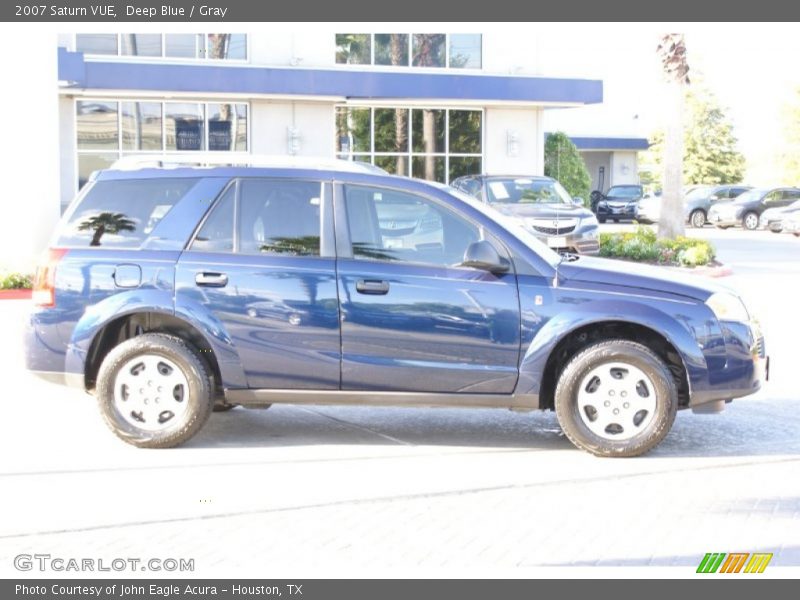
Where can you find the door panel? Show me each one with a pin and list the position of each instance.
(411, 319)
(257, 265)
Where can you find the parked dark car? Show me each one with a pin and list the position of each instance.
(620, 203)
(746, 209)
(541, 204)
(171, 291)
(698, 202)
(772, 218)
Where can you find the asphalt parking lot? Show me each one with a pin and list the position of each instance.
(313, 491)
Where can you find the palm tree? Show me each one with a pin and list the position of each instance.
(398, 43)
(106, 222)
(672, 52)
(425, 56)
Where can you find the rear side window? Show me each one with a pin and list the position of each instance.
(123, 213)
(268, 217)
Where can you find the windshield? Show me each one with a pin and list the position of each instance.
(511, 190)
(508, 223)
(699, 192)
(751, 195)
(625, 191)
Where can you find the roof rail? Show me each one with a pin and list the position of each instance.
(229, 159)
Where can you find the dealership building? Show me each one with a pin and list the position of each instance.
(429, 105)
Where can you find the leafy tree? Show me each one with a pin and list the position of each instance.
(563, 162)
(789, 158)
(710, 155)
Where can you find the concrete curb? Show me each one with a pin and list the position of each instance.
(15, 294)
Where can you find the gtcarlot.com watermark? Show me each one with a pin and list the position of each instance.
(59, 564)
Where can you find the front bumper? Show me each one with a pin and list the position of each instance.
(627, 211)
(583, 240)
(724, 220)
(744, 369)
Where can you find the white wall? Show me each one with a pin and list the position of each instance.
(314, 121)
(66, 142)
(624, 168)
(511, 54)
(529, 159)
(595, 160)
(30, 155)
(305, 49)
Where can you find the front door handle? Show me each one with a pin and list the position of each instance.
(372, 286)
(206, 279)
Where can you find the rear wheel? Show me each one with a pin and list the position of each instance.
(750, 221)
(616, 220)
(601, 219)
(616, 398)
(154, 391)
(697, 218)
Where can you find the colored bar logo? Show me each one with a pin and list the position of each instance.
(735, 562)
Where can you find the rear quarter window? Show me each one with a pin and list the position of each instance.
(122, 213)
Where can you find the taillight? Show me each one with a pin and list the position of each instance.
(44, 282)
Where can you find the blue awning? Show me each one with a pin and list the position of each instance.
(348, 83)
(610, 143)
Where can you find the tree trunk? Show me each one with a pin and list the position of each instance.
(429, 136)
(400, 115)
(670, 224)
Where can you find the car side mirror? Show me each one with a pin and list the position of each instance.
(484, 256)
(577, 201)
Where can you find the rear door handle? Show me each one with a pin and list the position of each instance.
(206, 279)
(372, 286)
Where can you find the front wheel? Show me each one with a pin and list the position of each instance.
(616, 398)
(601, 219)
(697, 219)
(750, 221)
(154, 391)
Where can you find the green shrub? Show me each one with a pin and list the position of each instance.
(15, 281)
(643, 245)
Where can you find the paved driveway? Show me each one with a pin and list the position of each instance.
(307, 491)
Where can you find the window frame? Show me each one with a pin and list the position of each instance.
(410, 154)
(327, 248)
(204, 59)
(410, 49)
(344, 245)
(119, 151)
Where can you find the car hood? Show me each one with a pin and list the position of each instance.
(542, 211)
(635, 276)
(622, 199)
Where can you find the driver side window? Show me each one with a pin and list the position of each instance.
(394, 226)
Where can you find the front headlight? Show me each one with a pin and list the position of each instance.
(587, 221)
(728, 307)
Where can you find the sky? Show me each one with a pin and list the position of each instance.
(753, 69)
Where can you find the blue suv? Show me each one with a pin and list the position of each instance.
(172, 291)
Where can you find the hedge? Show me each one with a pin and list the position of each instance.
(643, 245)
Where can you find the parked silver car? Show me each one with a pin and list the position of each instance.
(543, 207)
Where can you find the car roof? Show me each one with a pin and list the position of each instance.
(211, 162)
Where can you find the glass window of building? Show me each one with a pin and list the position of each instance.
(353, 48)
(184, 126)
(429, 50)
(211, 46)
(437, 50)
(107, 130)
(182, 45)
(430, 143)
(227, 127)
(141, 125)
(96, 125)
(140, 44)
(391, 49)
(97, 43)
(464, 51)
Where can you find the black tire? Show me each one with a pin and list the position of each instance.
(601, 219)
(633, 353)
(616, 220)
(698, 218)
(749, 223)
(199, 395)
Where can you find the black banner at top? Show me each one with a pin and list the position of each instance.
(232, 11)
